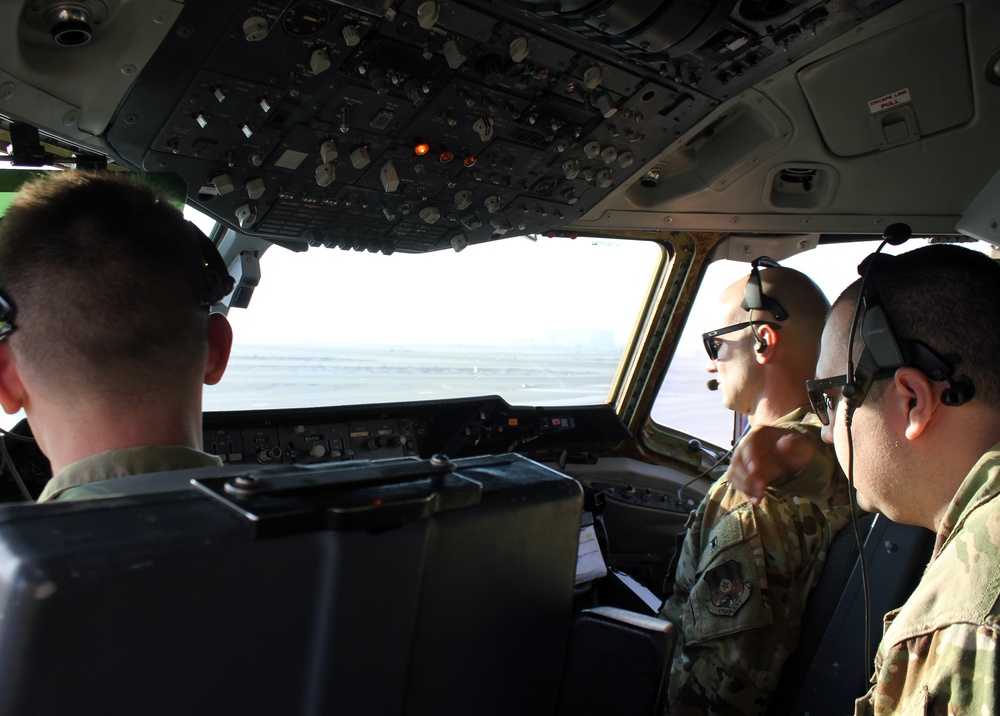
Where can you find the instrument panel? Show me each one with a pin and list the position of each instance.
(457, 428)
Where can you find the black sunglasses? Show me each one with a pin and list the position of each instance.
(7, 314)
(712, 345)
(822, 404)
(754, 298)
(853, 392)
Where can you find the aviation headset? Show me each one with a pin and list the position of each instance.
(884, 351)
(217, 283)
(7, 314)
(754, 298)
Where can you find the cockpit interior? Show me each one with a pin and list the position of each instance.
(451, 420)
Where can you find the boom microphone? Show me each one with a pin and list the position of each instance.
(712, 384)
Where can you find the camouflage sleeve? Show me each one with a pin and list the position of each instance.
(742, 581)
(953, 670)
(685, 561)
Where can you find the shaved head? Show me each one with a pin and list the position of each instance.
(805, 303)
(761, 369)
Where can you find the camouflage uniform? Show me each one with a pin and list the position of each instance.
(939, 652)
(121, 463)
(743, 575)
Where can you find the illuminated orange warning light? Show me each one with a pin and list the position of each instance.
(421, 148)
(445, 156)
(469, 161)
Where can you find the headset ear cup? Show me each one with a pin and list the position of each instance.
(760, 346)
(217, 283)
(960, 392)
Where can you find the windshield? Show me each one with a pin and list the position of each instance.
(538, 321)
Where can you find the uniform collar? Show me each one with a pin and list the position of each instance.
(980, 485)
(122, 463)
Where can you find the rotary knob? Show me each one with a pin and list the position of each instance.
(491, 68)
(351, 35)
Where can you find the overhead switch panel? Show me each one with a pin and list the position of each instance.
(419, 125)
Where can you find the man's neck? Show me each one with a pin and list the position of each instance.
(66, 438)
(770, 411)
(783, 390)
(950, 469)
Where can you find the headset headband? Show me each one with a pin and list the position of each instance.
(884, 351)
(754, 298)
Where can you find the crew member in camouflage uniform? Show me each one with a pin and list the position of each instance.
(744, 571)
(106, 332)
(926, 443)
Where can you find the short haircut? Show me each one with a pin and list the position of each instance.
(107, 278)
(947, 297)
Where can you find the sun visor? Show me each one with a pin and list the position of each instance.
(893, 89)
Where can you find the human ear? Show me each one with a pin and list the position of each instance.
(767, 338)
(11, 387)
(220, 343)
(917, 398)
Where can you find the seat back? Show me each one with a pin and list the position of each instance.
(394, 587)
(831, 666)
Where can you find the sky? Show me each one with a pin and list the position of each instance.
(512, 290)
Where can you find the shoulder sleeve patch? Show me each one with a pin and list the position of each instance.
(728, 588)
(729, 593)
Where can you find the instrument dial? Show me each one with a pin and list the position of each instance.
(306, 19)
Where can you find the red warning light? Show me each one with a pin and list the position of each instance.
(469, 161)
(421, 148)
(445, 156)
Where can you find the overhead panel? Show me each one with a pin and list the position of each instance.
(420, 125)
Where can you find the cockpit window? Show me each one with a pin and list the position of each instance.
(538, 321)
(199, 219)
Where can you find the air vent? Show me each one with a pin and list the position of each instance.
(800, 187)
(795, 175)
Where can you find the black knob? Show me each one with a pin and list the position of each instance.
(379, 80)
(491, 68)
(267, 454)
